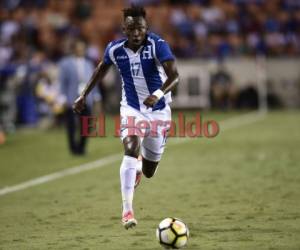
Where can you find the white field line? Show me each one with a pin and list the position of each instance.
(60, 174)
(227, 124)
(241, 120)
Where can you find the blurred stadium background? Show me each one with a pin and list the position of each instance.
(239, 62)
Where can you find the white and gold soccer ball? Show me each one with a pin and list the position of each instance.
(172, 233)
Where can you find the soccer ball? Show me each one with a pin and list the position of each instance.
(172, 233)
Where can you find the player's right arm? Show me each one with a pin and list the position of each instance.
(98, 75)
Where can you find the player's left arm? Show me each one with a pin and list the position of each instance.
(171, 82)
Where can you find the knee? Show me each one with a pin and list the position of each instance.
(132, 146)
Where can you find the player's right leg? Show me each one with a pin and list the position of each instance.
(128, 172)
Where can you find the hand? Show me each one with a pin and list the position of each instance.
(150, 101)
(79, 105)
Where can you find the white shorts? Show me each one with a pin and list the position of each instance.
(151, 127)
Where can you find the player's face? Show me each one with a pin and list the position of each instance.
(135, 28)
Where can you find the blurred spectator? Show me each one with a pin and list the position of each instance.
(2, 136)
(74, 72)
(27, 70)
(223, 90)
(8, 109)
(248, 97)
(208, 28)
(51, 101)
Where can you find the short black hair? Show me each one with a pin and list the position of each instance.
(134, 11)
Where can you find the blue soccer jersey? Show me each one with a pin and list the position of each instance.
(141, 72)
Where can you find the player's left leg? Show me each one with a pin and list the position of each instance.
(152, 149)
(153, 145)
(139, 172)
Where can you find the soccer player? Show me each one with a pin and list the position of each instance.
(148, 71)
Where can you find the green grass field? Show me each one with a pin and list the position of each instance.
(240, 190)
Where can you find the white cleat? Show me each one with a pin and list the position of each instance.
(128, 220)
